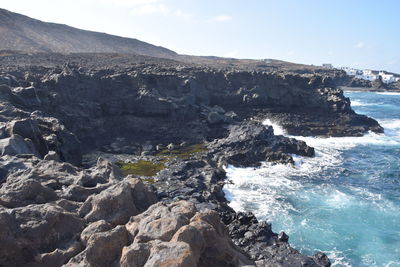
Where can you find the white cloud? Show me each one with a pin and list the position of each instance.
(148, 9)
(221, 18)
(182, 14)
(130, 3)
(152, 7)
(359, 45)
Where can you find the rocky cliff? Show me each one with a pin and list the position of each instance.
(164, 132)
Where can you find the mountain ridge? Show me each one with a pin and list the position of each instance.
(20, 32)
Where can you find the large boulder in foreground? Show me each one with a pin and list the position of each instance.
(174, 234)
(44, 235)
(118, 203)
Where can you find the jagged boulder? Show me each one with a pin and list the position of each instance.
(177, 234)
(22, 192)
(118, 203)
(10, 164)
(102, 249)
(16, 145)
(28, 128)
(28, 235)
(160, 221)
(200, 239)
(93, 228)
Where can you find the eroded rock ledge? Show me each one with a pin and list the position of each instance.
(179, 125)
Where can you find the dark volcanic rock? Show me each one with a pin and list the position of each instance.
(189, 121)
(303, 123)
(263, 245)
(249, 143)
(167, 105)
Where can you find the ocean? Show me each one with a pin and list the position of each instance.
(345, 201)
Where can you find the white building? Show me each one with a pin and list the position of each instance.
(388, 78)
(368, 75)
(351, 71)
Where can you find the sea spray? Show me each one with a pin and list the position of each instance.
(345, 201)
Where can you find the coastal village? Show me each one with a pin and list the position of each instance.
(367, 74)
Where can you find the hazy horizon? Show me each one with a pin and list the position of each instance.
(360, 34)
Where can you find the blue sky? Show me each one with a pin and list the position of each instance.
(356, 33)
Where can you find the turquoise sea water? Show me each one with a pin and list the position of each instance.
(345, 201)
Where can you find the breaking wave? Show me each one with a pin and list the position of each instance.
(345, 201)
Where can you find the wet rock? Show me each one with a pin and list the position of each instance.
(321, 259)
(263, 245)
(283, 237)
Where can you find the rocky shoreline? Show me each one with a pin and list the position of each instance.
(369, 89)
(110, 161)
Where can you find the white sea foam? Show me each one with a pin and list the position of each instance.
(268, 191)
(393, 264)
(337, 258)
(374, 199)
(278, 130)
(392, 127)
(393, 124)
(338, 199)
(355, 103)
(261, 188)
(388, 93)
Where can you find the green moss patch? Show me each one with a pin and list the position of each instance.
(151, 168)
(149, 180)
(183, 152)
(141, 167)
